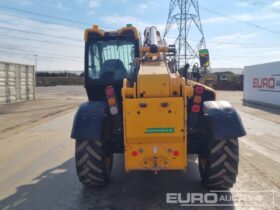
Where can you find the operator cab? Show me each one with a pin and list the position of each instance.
(109, 59)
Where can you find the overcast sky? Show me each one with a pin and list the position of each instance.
(237, 32)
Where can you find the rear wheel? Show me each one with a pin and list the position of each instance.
(219, 166)
(93, 163)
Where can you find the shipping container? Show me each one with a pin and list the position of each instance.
(17, 82)
(262, 84)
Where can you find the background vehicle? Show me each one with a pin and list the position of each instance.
(156, 118)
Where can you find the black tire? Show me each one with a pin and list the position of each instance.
(219, 167)
(93, 163)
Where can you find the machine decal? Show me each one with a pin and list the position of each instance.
(160, 130)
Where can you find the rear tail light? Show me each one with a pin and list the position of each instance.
(134, 153)
(199, 90)
(197, 99)
(195, 108)
(111, 100)
(114, 110)
(176, 153)
(110, 91)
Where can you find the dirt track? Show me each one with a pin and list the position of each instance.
(37, 164)
(50, 102)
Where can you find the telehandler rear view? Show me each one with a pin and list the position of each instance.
(138, 106)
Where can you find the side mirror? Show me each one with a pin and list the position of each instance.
(204, 58)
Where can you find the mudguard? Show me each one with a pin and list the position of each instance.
(222, 121)
(89, 120)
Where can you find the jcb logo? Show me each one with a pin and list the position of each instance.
(265, 83)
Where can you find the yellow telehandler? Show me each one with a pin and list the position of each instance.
(155, 117)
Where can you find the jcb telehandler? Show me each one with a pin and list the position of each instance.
(156, 117)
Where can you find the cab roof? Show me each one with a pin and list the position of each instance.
(128, 31)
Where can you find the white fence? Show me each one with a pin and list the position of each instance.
(262, 84)
(17, 82)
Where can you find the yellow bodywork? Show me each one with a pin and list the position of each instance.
(154, 108)
(101, 33)
(155, 114)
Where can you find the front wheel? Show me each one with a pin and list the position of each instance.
(219, 166)
(93, 164)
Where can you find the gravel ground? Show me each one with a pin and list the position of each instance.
(37, 163)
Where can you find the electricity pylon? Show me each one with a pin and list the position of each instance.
(189, 39)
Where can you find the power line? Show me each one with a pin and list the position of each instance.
(40, 34)
(242, 56)
(238, 43)
(257, 3)
(241, 21)
(38, 40)
(45, 15)
(62, 57)
(33, 19)
(32, 55)
(261, 3)
(42, 53)
(28, 39)
(81, 58)
(246, 44)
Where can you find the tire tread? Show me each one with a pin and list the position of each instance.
(221, 165)
(90, 167)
